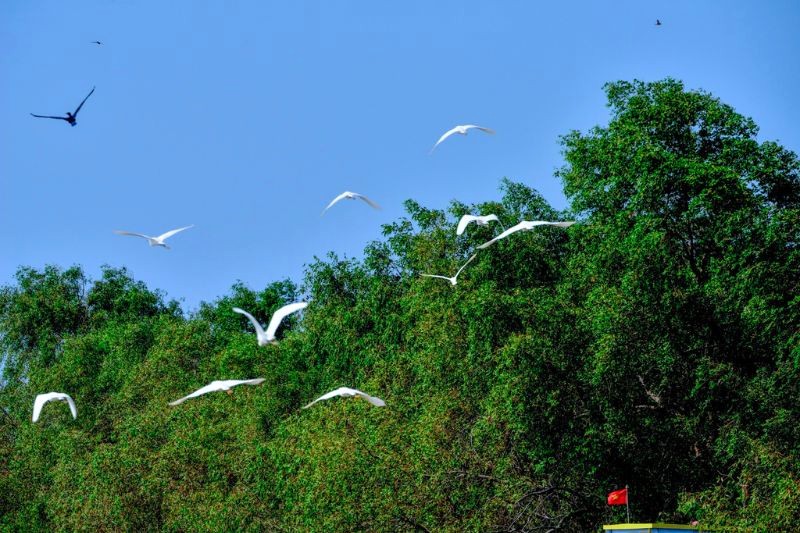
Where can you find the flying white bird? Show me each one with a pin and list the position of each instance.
(266, 337)
(155, 241)
(480, 221)
(453, 279)
(347, 392)
(350, 196)
(461, 130)
(42, 399)
(215, 386)
(524, 225)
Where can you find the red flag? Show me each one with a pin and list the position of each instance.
(618, 497)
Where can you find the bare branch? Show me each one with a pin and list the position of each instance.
(653, 396)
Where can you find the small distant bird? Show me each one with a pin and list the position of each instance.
(480, 221)
(268, 337)
(350, 196)
(42, 399)
(71, 117)
(454, 278)
(461, 130)
(155, 241)
(215, 386)
(96, 42)
(658, 22)
(347, 392)
(524, 225)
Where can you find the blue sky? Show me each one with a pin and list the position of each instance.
(246, 118)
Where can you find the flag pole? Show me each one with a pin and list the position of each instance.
(628, 503)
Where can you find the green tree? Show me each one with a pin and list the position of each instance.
(685, 266)
(36, 315)
(656, 343)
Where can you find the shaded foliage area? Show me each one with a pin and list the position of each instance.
(656, 344)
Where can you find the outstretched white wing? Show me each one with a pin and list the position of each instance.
(447, 134)
(513, 229)
(348, 392)
(464, 222)
(259, 330)
(256, 381)
(280, 314)
(73, 409)
(211, 387)
(374, 400)
(525, 225)
(143, 236)
(342, 196)
(219, 386)
(40, 400)
(370, 202)
(465, 264)
(490, 131)
(437, 276)
(172, 232)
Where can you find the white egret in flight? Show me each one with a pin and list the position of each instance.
(155, 241)
(480, 221)
(42, 399)
(267, 337)
(461, 130)
(453, 279)
(524, 225)
(347, 195)
(347, 392)
(215, 386)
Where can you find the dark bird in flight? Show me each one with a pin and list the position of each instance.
(658, 23)
(70, 116)
(96, 42)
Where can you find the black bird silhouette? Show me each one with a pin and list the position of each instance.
(658, 22)
(70, 116)
(96, 42)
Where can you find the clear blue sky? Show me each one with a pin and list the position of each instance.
(246, 118)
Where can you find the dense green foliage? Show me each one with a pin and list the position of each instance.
(656, 344)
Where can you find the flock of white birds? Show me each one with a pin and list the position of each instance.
(268, 336)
